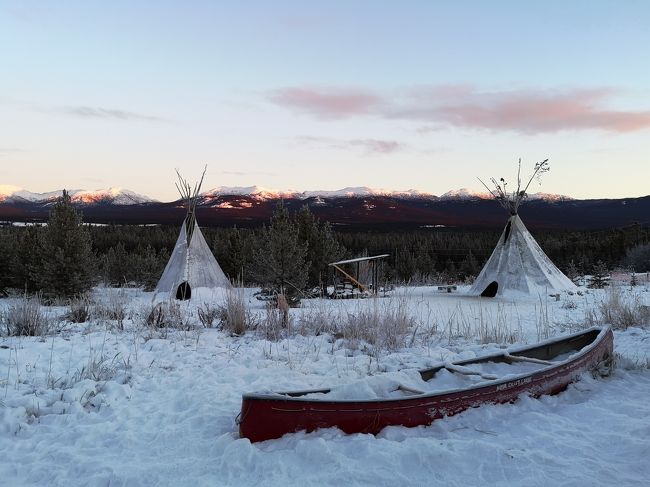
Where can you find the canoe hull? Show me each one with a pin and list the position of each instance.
(265, 417)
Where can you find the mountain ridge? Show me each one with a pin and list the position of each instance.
(370, 212)
(118, 195)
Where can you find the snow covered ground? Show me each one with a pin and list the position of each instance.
(91, 404)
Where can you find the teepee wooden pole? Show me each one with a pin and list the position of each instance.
(190, 198)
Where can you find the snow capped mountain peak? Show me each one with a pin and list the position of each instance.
(548, 197)
(117, 196)
(254, 191)
(348, 192)
(465, 193)
(8, 191)
(357, 191)
(122, 196)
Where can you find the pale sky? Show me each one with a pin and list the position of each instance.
(424, 95)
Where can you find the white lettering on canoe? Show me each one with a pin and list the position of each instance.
(514, 383)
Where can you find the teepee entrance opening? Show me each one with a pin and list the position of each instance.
(491, 290)
(184, 291)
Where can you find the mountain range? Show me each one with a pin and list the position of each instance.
(353, 208)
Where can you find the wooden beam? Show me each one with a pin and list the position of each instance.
(359, 285)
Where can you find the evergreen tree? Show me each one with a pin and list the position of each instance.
(599, 276)
(638, 257)
(6, 259)
(27, 261)
(279, 262)
(469, 266)
(322, 247)
(66, 252)
(147, 267)
(116, 265)
(234, 258)
(572, 271)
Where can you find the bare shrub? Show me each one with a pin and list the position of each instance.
(273, 323)
(233, 316)
(320, 319)
(361, 326)
(622, 313)
(207, 314)
(26, 318)
(167, 314)
(80, 309)
(384, 326)
(113, 308)
(591, 318)
(98, 368)
(395, 324)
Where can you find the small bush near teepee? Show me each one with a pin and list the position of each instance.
(208, 314)
(164, 315)
(384, 325)
(233, 316)
(26, 318)
(113, 308)
(80, 310)
(274, 324)
(622, 313)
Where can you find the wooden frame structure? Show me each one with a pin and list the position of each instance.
(365, 288)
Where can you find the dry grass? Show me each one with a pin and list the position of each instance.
(207, 314)
(80, 309)
(323, 318)
(26, 318)
(165, 315)
(382, 323)
(113, 308)
(233, 315)
(623, 312)
(273, 324)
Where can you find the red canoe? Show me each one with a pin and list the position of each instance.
(561, 360)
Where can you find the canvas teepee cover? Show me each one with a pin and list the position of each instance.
(518, 264)
(191, 264)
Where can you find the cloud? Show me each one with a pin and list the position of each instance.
(328, 104)
(106, 113)
(369, 146)
(83, 111)
(525, 111)
(462, 106)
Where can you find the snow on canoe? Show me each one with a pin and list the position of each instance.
(420, 397)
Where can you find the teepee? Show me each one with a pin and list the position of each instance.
(191, 264)
(518, 264)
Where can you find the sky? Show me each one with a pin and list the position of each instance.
(426, 95)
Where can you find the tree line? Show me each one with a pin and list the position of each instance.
(291, 253)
